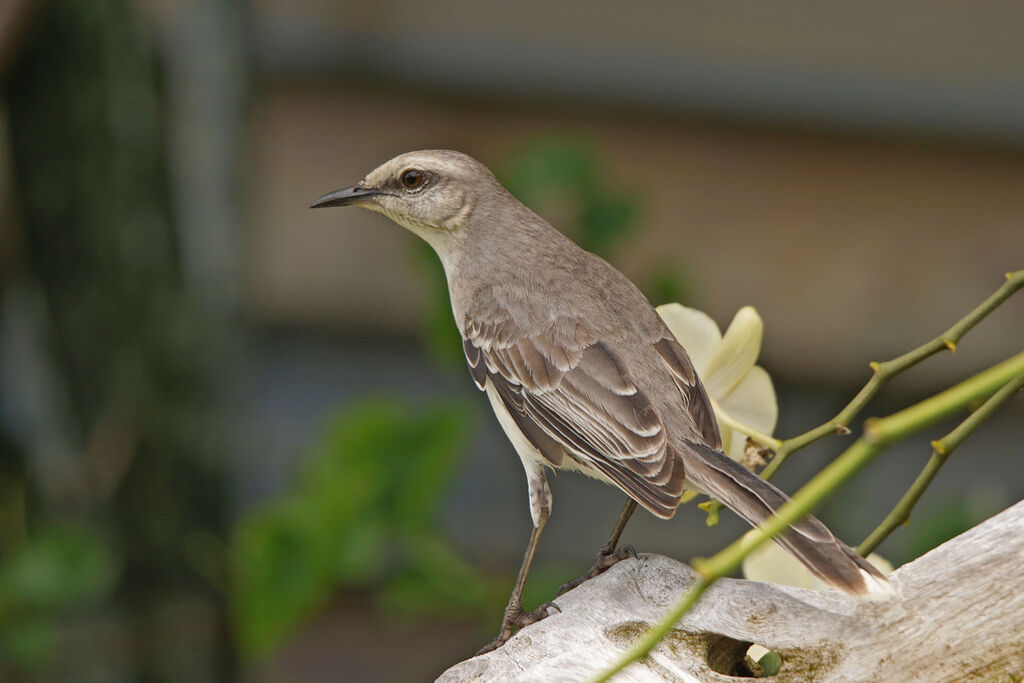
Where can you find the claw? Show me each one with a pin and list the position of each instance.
(498, 641)
(605, 558)
(517, 619)
(549, 605)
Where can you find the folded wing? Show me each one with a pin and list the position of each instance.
(571, 395)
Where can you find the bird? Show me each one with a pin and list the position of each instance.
(580, 370)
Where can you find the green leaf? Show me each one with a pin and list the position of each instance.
(361, 552)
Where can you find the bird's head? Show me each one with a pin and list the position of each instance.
(432, 193)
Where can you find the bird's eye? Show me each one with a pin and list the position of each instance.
(412, 179)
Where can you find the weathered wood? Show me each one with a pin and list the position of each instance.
(957, 614)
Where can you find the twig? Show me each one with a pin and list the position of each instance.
(886, 370)
(941, 450)
(878, 433)
(883, 372)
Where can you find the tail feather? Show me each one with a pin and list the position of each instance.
(809, 540)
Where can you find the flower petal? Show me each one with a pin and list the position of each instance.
(729, 438)
(735, 356)
(695, 330)
(753, 401)
(734, 443)
(773, 564)
(880, 563)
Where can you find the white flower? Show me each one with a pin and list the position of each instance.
(772, 564)
(741, 392)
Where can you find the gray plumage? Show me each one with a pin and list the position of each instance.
(581, 370)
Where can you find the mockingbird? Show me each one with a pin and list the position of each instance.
(579, 368)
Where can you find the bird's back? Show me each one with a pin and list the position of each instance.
(541, 280)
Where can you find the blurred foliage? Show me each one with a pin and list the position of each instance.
(439, 334)
(362, 515)
(669, 284)
(938, 524)
(121, 360)
(563, 177)
(939, 519)
(55, 570)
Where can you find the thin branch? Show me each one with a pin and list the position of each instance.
(878, 434)
(941, 450)
(883, 372)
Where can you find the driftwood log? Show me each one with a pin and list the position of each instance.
(957, 615)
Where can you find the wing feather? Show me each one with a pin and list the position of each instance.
(571, 394)
(695, 397)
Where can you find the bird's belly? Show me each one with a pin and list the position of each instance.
(531, 456)
(528, 453)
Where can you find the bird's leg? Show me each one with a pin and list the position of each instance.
(613, 541)
(609, 554)
(515, 617)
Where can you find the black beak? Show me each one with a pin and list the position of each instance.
(343, 197)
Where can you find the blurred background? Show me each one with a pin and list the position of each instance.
(237, 438)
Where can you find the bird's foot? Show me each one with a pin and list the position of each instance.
(605, 559)
(516, 619)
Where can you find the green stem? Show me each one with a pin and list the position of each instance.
(883, 372)
(941, 450)
(883, 431)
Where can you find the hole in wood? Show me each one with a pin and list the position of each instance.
(741, 659)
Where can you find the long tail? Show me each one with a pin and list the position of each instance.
(809, 540)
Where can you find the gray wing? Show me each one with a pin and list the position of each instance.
(571, 395)
(696, 403)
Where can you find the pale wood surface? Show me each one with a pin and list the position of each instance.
(957, 614)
